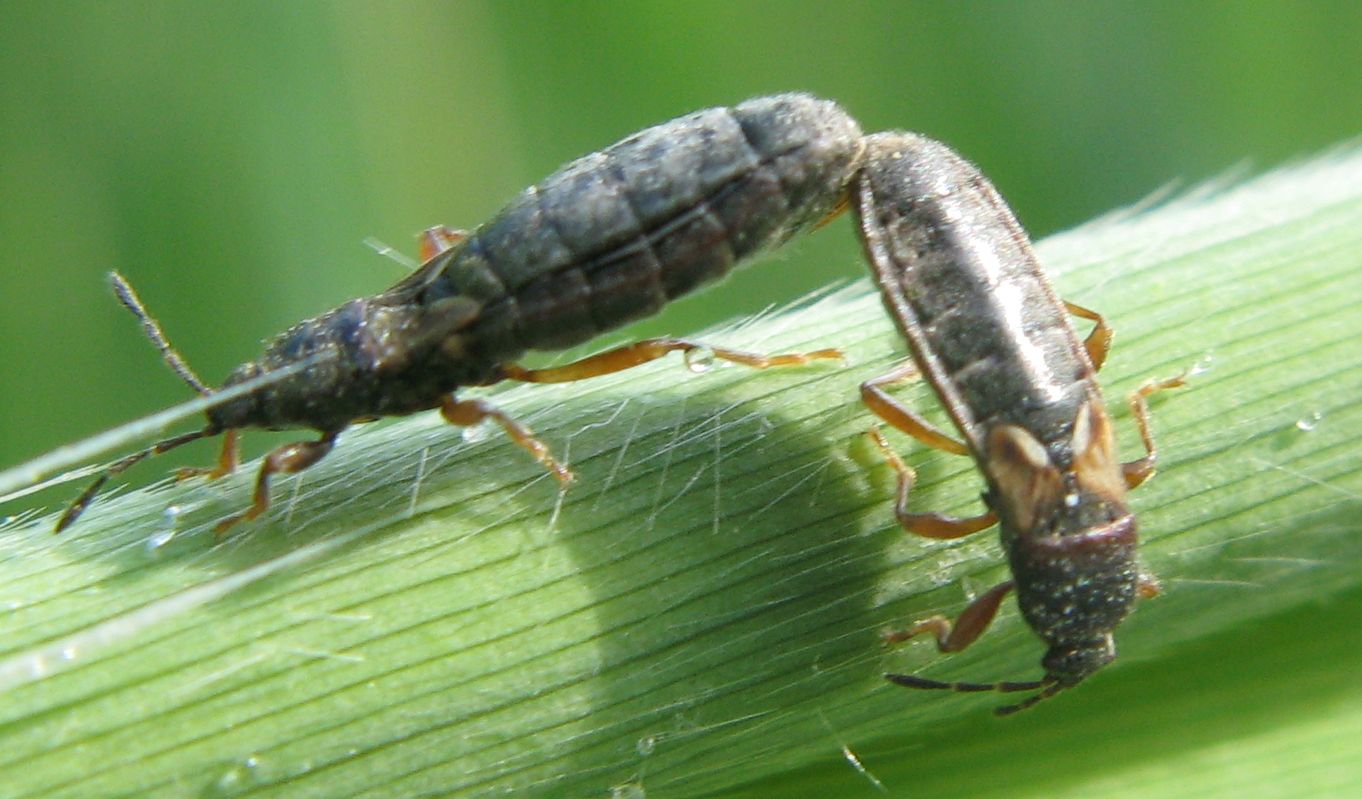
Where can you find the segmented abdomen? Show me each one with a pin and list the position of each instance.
(615, 235)
(961, 281)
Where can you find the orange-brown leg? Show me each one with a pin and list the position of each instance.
(843, 203)
(874, 397)
(288, 459)
(641, 352)
(469, 412)
(438, 239)
(228, 459)
(1137, 471)
(928, 525)
(1098, 342)
(971, 623)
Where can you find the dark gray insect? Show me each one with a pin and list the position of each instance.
(958, 276)
(614, 236)
(608, 239)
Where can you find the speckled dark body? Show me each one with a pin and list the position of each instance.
(608, 239)
(958, 276)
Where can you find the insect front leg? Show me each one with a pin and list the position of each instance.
(288, 459)
(228, 459)
(968, 626)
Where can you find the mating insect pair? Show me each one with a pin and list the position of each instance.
(615, 235)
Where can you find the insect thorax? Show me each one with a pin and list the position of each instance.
(367, 358)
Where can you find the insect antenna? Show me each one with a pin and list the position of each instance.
(77, 507)
(129, 299)
(1047, 688)
(1030, 701)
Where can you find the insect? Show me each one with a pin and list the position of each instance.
(613, 236)
(962, 284)
(608, 239)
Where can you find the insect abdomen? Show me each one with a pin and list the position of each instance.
(970, 296)
(615, 235)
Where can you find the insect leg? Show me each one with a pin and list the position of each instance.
(1098, 342)
(927, 525)
(1139, 470)
(874, 397)
(843, 203)
(641, 352)
(438, 239)
(469, 412)
(968, 626)
(288, 459)
(228, 460)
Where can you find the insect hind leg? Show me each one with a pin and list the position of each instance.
(468, 412)
(928, 525)
(439, 240)
(641, 352)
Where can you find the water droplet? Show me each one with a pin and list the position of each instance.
(238, 777)
(645, 745)
(232, 780)
(630, 790)
(159, 539)
(700, 359)
(1310, 422)
(170, 522)
(1202, 365)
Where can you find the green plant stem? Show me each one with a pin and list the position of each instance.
(421, 615)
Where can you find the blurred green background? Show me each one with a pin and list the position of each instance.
(231, 158)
